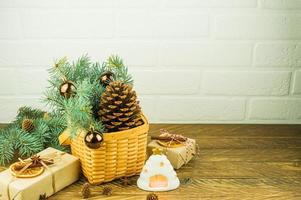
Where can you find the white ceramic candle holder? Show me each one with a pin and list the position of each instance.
(158, 174)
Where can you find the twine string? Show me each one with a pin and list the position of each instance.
(49, 158)
(175, 138)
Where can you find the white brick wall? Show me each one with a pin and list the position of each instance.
(277, 54)
(281, 4)
(297, 83)
(275, 109)
(260, 26)
(67, 24)
(194, 61)
(265, 83)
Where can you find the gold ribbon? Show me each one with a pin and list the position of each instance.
(36, 161)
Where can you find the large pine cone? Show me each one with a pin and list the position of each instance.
(119, 108)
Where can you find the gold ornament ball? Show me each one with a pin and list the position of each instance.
(67, 89)
(93, 139)
(106, 78)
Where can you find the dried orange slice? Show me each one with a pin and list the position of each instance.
(28, 173)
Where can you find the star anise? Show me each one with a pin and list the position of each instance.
(36, 160)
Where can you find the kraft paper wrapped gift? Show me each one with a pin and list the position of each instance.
(64, 172)
(177, 156)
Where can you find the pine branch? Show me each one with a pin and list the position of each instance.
(41, 131)
(56, 125)
(14, 139)
(6, 147)
(115, 64)
(28, 144)
(80, 110)
(27, 112)
(80, 68)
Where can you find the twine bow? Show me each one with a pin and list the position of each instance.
(166, 136)
(32, 162)
(170, 139)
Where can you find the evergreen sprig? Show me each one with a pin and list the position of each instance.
(16, 142)
(80, 110)
(115, 64)
(77, 112)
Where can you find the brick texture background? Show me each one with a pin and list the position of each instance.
(194, 61)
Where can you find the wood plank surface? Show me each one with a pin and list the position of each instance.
(234, 162)
(229, 130)
(201, 188)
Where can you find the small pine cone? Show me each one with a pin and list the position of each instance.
(27, 125)
(86, 191)
(107, 191)
(43, 197)
(152, 196)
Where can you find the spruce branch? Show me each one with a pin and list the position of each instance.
(115, 64)
(15, 140)
(27, 112)
(80, 111)
(28, 144)
(7, 149)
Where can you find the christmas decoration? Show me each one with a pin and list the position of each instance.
(178, 149)
(110, 157)
(93, 138)
(63, 172)
(119, 109)
(67, 89)
(115, 65)
(152, 196)
(31, 167)
(167, 139)
(107, 190)
(15, 138)
(158, 174)
(86, 192)
(27, 125)
(81, 112)
(106, 78)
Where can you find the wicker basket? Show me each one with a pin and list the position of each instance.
(122, 154)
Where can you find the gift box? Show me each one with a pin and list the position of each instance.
(54, 178)
(178, 156)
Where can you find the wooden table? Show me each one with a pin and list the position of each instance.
(234, 162)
